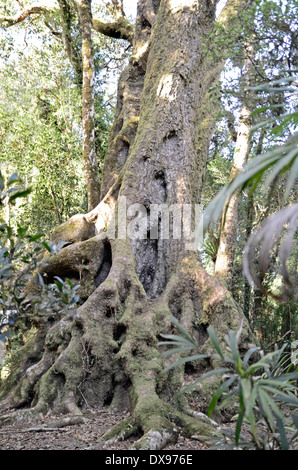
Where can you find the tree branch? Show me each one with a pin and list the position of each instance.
(55, 33)
(119, 29)
(231, 9)
(7, 21)
(72, 52)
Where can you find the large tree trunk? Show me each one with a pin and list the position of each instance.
(108, 353)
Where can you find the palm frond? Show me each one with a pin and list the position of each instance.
(275, 235)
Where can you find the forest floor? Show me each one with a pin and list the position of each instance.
(41, 434)
(56, 433)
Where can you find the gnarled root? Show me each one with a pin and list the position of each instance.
(108, 353)
(159, 429)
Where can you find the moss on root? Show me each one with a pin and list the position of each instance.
(21, 360)
(76, 229)
(111, 355)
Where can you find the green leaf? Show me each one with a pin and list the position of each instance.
(213, 402)
(280, 166)
(266, 108)
(172, 351)
(272, 404)
(225, 386)
(279, 81)
(248, 355)
(179, 340)
(1, 182)
(40, 279)
(33, 238)
(184, 360)
(295, 420)
(291, 400)
(261, 364)
(227, 359)
(246, 391)
(252, 175)
(205, 376)
(7, 271)
(215, 342)
(24, 193)
(182, 330)
(266, 411)
(9, 231)
(282, 433)
(59, 283)
(285, 377)
(13, 178)
(238, 426)
(251, 401)
(69, 282)
(21, 231)
(275, 387)
(47, 247)
(292, 178)
(231, 340)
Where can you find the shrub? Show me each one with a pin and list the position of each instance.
(263, 387)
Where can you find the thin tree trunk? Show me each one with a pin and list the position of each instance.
(228, 233)
(57, 212)
(249, 225)
(89, 154)
(71, 51)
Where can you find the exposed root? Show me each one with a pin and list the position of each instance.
(43, 429)
(161, 428)
(121, 431)
(27, 415)
(83, 262)
(109, 355)
(154, 440)
(21, 416)
(201, 416)
(61, 423)
(76, 229)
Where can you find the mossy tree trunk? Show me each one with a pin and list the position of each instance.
(131, 286)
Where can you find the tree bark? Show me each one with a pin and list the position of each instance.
(7, 21)
(249, 227)
(89, 155)
(71, 51)
(247, 286)
(108, 353)
(228, 233)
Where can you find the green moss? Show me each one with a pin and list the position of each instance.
(192, 426)
(29, 354)
(122, 430)
(77, 228)
(150, 411)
